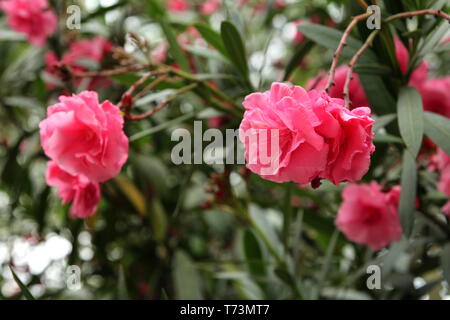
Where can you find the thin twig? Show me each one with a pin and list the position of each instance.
(150, 87)
(162, 104)
(437, 13)
(362, 4)
(352, 64)
(108, 73)
(341, 47)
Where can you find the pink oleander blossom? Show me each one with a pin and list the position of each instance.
(369, 216)
(178, 5)
(84, 194)
(317, 137)
(33, 18)
(209, 7)
(85, 137)
(94, 50)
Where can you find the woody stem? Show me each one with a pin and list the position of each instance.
(362, 4)
(437, 13)
(352, 64)
(162, 104)
(341, 47)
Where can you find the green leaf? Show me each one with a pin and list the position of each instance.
(373, 69)
(266, 230)
(407, 202)
(234, 47)
(379, 97)
(175, 48)
(445, 262)
(103, 10)
(300, 52)
(122, 291)
(330, 38)
(432, 40)
(212, 37)
(23, 288)
(410, 118)
(206, 53)
(158, 218)
(253, 254)
(157, 11)
(186, 278)
(386, 138)
(383, 121)
(132, 193)
(437, 128)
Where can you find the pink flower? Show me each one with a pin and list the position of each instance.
(159, 53)
(178, 5)
(369, 216)
(442, 161)
(84, 194)
(280, 4)
(298, 36)
(357, 95)
(84, 137)
(209, 7)
(420, 74)
(435, 92)
(436, 95)
(32, 18)
(318, 137)
(95, 50)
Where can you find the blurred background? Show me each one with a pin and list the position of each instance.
(166, 231)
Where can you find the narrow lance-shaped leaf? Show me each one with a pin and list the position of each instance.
(407, 202)
(158, 13)
(186, 278)
(212, 37)
(301, 51)
(330, 38)
(445, 262)
(437, 128)
(27, 294)
(410, 119)
(253, 254)
(235, 47)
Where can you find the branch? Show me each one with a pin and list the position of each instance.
(108, 73)
(362, 4)
(341, 46)
(150, 87)
(352, 64)
(161, 104)
(437, 13)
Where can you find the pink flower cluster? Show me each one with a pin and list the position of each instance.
(443, 165)
(369, 216)
(91, 49)
(207, 8)
(32, 18)
(318, 137)
(435, 92)
(87, 145)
